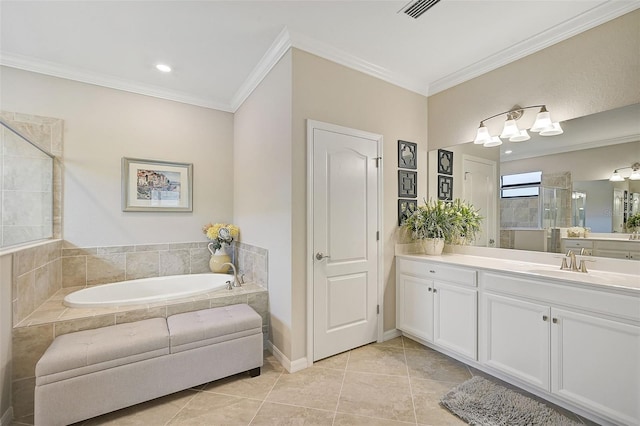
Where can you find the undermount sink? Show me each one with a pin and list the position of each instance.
(574, 275)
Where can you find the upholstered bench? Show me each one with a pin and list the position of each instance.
(89, 373)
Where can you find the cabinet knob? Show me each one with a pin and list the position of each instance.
(432, 271)
(430, 289)
(435, 290)
(555, 320)
(545, 318)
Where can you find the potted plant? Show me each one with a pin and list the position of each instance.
(633, 223)
(437, 222)
(221, 236)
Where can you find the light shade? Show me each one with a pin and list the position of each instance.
(543, 120)
(615, 177)
(494, 141)
(510, 129)
(523, 136)
(635, 175)
(163, 67)
(482, 135)
(552, 130)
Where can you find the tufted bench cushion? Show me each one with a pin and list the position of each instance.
(84, 352)
(192, 330)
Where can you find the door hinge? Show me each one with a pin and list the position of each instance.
(378, 160)
(377, 235)
(378, 309)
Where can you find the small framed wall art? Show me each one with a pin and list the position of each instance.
(407, 184)
(406, 209)
(445, 188)
(158, 186)
(445, 162)
(407, 155)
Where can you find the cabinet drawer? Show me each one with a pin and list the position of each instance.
(572, 244)
(438, 271)
(618, 245)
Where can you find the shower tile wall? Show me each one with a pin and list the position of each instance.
(28, 178)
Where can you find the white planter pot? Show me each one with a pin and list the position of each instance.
(432, 246)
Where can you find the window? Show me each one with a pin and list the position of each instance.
(520, 185)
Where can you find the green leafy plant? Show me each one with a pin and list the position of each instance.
(633, 222)
(456, 222)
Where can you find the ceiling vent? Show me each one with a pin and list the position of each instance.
(415, 9)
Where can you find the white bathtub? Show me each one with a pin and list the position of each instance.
(146, 290)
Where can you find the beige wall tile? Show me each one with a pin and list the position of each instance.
(74, 271)
(23, 261)
(200, 260)
(141, 314)
(108, 268)
(26, 296)
(142, 265)
(65, 327)
(29, 343)
(22, 391)
(187, 307)
(260, 303)
(41, 285)
(174, 262)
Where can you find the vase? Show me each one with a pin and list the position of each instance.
(218, 259)
(432, 246)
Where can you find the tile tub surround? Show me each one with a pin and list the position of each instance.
(37, 275)
(397, 382)
(87, 266)
(32, 337)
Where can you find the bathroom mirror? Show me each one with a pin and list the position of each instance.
(576, 167)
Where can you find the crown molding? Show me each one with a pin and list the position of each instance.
(341, 57)
(274, 53)
(569, 28)
(56, 70)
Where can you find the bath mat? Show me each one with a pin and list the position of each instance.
(479, 401)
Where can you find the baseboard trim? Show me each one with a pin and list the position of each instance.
(290, 366)
(391, 334)
(7, 417)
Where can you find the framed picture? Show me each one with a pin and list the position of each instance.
(149, 185)
(445, 162)
(407, 184)
(445, 188)
(406, 209)
(407, 155)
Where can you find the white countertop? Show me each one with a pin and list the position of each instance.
(595, 278)
(596, 238)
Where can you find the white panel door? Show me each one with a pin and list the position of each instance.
(480, 190)
(345, 248)
(516, 338)
(596, 364)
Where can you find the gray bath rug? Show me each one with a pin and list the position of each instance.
(481, 402)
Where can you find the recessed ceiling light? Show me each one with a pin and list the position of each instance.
(163, 68)
(508, 152)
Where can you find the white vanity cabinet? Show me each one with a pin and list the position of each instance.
(618, 249)
(580, 344)
(438, 303)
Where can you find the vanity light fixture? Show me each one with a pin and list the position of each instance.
(543, 124)
(635, 173)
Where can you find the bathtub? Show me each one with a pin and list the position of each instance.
(146, 290)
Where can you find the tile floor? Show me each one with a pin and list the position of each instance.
(397, 382)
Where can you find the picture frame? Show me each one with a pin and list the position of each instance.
(445, 188)
(407, 184)
(156, 186)
(407, 155)
(445, 162)
(406, 209)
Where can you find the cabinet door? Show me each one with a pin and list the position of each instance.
(596, 364)
(616, 254)
(515, 338)
(415, 306)
(455, 318)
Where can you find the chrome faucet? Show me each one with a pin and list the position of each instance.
(236, 283)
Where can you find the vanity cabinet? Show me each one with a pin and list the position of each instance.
(438, 304)
(618, 249)
(580, 344)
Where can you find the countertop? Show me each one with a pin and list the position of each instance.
(590, 238)
(594, 278)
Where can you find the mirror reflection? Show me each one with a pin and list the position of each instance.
(573, 190)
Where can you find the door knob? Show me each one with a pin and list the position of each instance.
(320, 255)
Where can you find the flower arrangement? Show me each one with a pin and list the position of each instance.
(455, 221)
(633, 222)
(220, 234)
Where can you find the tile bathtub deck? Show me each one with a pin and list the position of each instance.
(397, 382)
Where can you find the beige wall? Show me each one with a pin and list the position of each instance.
(592, 72)
(328, 92)
(103, 125)
(262, 188)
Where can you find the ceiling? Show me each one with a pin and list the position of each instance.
(220, 50)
